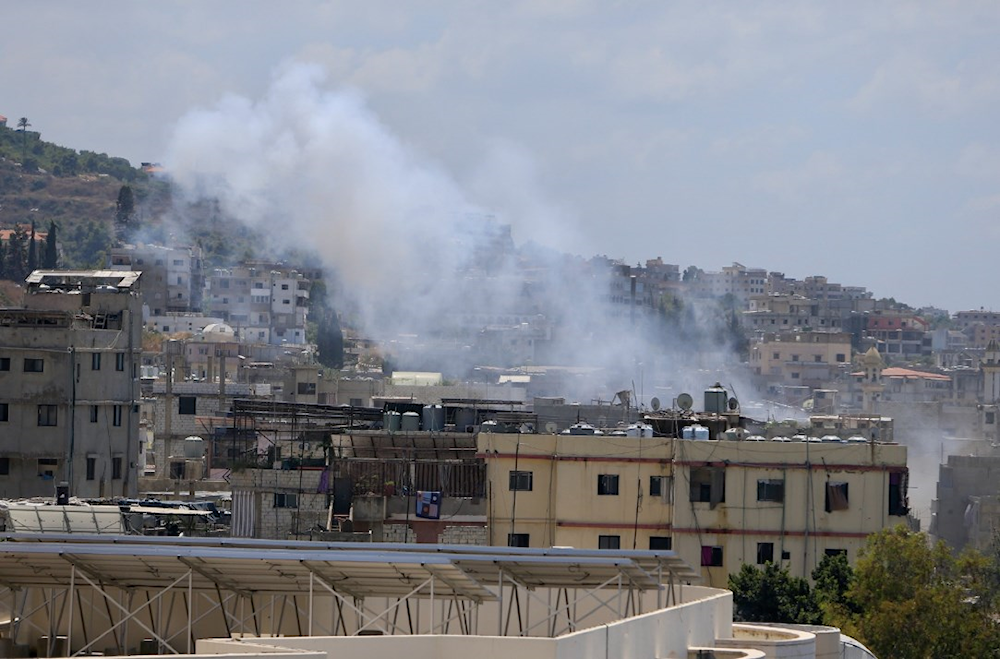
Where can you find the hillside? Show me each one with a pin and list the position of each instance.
(43, 183)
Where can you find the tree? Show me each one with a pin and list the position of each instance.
(15, 254)
(51, 260)
(125, 214)
(22, 125)
(771, 594)
(32, 252)
(913, 600)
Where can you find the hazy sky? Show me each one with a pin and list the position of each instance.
(856, 140)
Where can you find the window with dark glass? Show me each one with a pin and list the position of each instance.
(609, 542)
(661, 543)
(91, 468)
(116, 468)
(95, 361)
(711, 556)
(48, 415)
(186, 405)
(33, 365)
(517, 540)
(765, 552)
(520, 481)
(772, 489)
(607, 484)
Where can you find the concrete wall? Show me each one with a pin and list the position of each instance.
(563, 506)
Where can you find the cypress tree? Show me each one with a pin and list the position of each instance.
(32, 252)
(51, 260)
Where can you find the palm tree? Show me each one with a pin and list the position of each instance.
(22, 125)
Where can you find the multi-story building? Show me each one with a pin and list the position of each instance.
(69, 385)
(718, 504)
(172, 279)
(812, 359)
(263, 303)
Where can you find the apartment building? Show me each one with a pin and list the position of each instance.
(69, 385)
(173, 276)
(263, 304)
(812, 359)
(718, 504)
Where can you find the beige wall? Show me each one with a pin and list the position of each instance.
(564, 509)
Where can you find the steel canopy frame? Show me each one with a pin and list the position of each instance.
(365, 590)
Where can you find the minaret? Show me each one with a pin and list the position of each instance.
(871, 382)
(990, 368)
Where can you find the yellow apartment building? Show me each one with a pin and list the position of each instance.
(718, 504)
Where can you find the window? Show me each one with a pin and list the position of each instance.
(795, 376)
(4, 363)
(283, 500)
(93, 413)
(818, 358)
(786, 555)
(119, 361)
(841, 358)
(765, 552)
(711, 556)
(117, 415)
(708, 484)
(795, 358)
(607, 484)
(520, 480)
(306, 388)
(662, 487)
(186, 405)
(47, 415)
(771, 490)
(95, 361)
(4, 412)
(776, 355)
(517, 540)
(116, 468)
(47, 468)
(897, 493)
(91, 468)
(4, 466)
(836, 496)
(661, 543)
(34, 365)
(609, 541)
(990, 418)
(835, 552)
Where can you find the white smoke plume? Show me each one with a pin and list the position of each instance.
(413, 252)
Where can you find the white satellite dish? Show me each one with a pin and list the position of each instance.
(685, 402)
(655, 403)
(551, 427)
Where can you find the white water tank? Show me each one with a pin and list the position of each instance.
(194, 447)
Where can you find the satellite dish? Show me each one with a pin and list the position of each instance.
(551, 427)
(684, 401)
(655, 403)
(734, 404)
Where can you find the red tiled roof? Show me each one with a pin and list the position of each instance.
(908, 374)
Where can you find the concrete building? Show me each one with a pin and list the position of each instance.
(718, 504)
(262, 302)
(69, 385)
(172, 279)
(812, 359)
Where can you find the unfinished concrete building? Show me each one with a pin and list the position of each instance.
(69, 385)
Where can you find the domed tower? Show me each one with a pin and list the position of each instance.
(871, 381)
(990, 369)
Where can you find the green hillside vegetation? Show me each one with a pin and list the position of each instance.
(45, 183)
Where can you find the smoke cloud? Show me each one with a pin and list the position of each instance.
(425, 266)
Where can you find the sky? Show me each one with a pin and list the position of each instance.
(853, 140)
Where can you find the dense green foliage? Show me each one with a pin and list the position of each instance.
(905, 598)
(27, 147)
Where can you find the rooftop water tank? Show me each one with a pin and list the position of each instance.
(716, 400)
(391, 420)
(410, 422)
(433, 418)
(194, 447)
